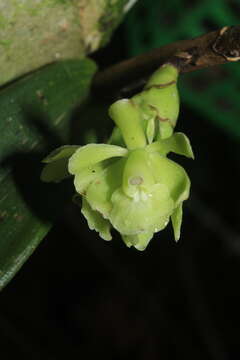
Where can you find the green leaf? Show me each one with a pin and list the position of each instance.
(34, 118)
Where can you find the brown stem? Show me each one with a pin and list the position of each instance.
(214, 48)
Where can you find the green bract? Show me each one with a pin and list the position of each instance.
(134, 188)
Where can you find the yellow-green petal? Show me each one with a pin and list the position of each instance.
(165, 129)
(177, 143)
(55, 171)
(100, 190)
(180, 144)
(150, 130)
(86, 176)
(148, 213)
(56, 168)
(96, 221)
(92, 154)
(139, 241)
(177, 221)
(172, 175)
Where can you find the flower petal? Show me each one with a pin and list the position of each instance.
(105, 183)
(148, 213)
(172, 175)
(56, 168)
(139, 241)
(96, 221)
(87, 175)
(180, 144)
(165, 129)
(150, 130)
(55, 171)
(177, 143)
(177, 221)
(92, 154)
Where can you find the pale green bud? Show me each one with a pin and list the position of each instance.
(159, 100)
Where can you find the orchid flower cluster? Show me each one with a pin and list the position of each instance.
(129, 184)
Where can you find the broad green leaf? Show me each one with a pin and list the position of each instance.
(34, 118)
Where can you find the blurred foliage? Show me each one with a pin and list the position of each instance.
(35, 33)
(35, 117)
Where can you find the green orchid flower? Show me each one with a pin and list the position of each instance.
(134, 189)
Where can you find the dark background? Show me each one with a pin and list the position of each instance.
(81, 297)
